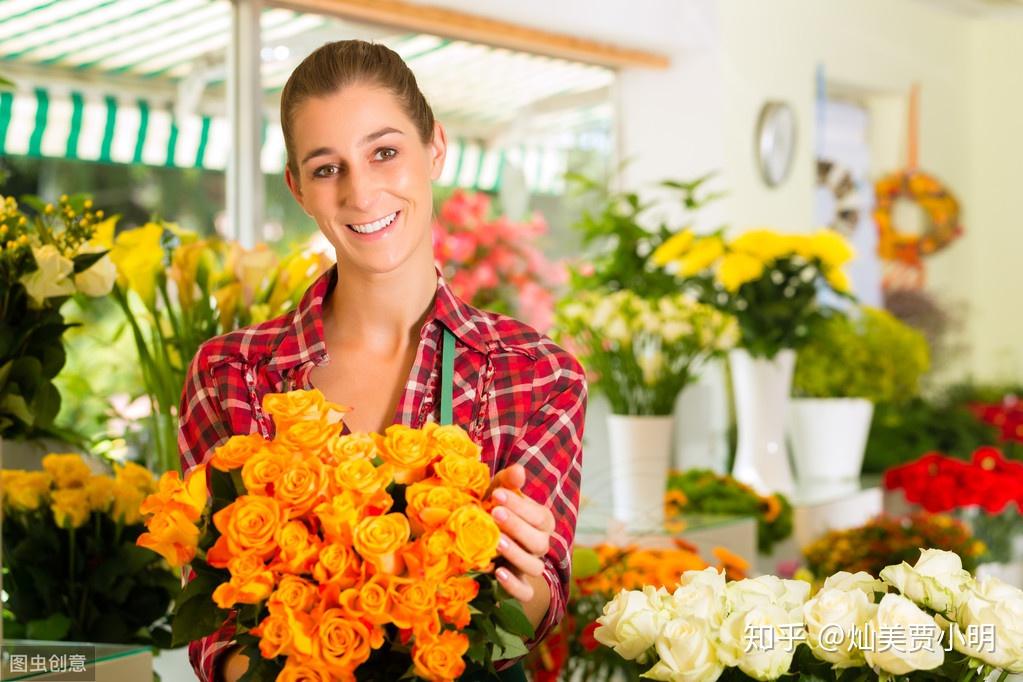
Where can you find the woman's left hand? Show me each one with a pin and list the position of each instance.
(526, 528)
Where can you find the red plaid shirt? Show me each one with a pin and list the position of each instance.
(520, 396)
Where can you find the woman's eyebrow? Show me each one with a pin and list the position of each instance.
(321, 151)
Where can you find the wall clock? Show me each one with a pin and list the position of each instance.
(775, 142)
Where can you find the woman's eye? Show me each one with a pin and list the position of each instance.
(386, 153)
(325, 171)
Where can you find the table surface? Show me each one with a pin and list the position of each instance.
(95, 653)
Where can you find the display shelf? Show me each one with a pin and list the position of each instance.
(100, 662)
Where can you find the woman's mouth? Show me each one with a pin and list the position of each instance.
(376, 227)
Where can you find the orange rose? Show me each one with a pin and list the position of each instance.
(342, 644)
(172, 535)
(405, 448)
(361, 476)
(430, 556)
(263, 469)
(353, 446)
(377, 539)
(429, 504)
(451, 440)
(337, 564)
(249, 524)
(189, 496)
(285, 632)
(414, 603)
(295, 593)
(374, 599)
(338, 516)
(299, 406)
(309, 438)
(251, 582)
(441, 658)
(466, 474)
(302, 486)
(476, 536)
(236, 451)
(298, 548)
(453, 597)
(294, 671)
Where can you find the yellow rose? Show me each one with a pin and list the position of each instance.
(737, 269)
(295, 593)
(310, 438)
(68, 471)
(251, 582)
(429, 504)
(476, 536)
(450, 440)
(70, 507)
(352, 446)
(236, 451)
(338, 517)
(465, 474)
(341, 644)
(362, 477)
(285, 632)
(377, 539)
(138, 256)
(294, 407)
(127, 503)
(337, 564)
(249, 524)
(26, 490)
(100, 491)
(264, 469)
(441, 658)
(301, 486)
(673, 248)
(374, 602)
(171, 534)
(405, 448)
(135, 475)
(298, 548)
(189, 496)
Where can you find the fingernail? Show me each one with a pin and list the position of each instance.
(501, 496)
(502, 574)
(502, 543)
(501, 514)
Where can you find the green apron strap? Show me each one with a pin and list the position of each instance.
(447, 377)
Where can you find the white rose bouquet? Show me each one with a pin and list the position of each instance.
(936, 623)
(642, 352)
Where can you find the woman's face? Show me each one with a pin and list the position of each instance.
(364, 176)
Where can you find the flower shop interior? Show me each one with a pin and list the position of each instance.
(756, 225)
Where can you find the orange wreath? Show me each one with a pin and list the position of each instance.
(940, 207)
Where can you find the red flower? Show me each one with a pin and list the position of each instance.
(586, 638)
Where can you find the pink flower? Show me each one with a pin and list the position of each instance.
(464, 285)
(465, 210)
(536, 305)
(485, 276)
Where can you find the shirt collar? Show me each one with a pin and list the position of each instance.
(302, 341)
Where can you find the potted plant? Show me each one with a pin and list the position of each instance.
(849, 363)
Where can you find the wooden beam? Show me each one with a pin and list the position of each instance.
(461, 25)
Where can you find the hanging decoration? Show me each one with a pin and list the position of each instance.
(837, 178)
(901, 250)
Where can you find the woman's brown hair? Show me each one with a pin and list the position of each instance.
(336, 65)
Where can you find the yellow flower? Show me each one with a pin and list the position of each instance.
(188, 497)
(127, 503)
(831, 248)
(138, 256)
(405, 448)
(251, 267)
(70, 507)
(701, 256)
(136, 476)
(68, 470)
(838, 280)
(673, 248)
(100, 490)
(171, 534)
(227, 298)
(103, 234)
(184, 270)
(764, 245)
(51, 278)
(736, 269)
(26, 490)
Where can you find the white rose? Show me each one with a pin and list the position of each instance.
(831, 618)
(765, 590)
(936, 581)
(863, 581)
(700, 595)
(631, 622)
(51, 277)
(995, 612)
(98, 280)
(760, 641)
(915, 643)
(686, 654)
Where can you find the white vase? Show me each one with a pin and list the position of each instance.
(829, 436)
(640, 457)
(761, 388)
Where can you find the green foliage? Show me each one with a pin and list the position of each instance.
(872, 355)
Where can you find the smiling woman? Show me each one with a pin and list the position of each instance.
(363, 150)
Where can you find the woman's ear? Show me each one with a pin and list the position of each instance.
(438, 150)
(296, 190)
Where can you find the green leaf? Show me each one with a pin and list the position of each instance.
(512, 618)
(508, 645)
(196, 618)
(46, 404)
(54, 628)
(84, 261)
(260, 669)
(221, 484)
(14, 405)
(585, 563)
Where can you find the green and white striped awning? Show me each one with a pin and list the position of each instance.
(70, 124)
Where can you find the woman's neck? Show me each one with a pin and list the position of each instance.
(379, 312)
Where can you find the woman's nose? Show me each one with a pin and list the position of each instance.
(361, 192)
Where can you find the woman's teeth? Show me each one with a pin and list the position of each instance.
(375, 226)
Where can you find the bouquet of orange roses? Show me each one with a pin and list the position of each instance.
(344, 557)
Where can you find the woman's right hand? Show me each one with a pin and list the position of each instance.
(234, 665)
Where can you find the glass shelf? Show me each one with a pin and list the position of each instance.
(94, 655)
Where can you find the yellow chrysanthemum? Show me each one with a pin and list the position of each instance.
(736, 269)
(67, 470)
(703, 254)
(765, 245)
(71, 507)
(673, 248)
(831, 248)
(838, 280)
(25, 490)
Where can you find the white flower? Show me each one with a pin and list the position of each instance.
(51, 278)
(631, 622)
(831, 618)
(789, 595)
(845, 581)
(687, 654)
(99, 279)
(700, 595)
(760, 641)
(915, 643)
(992, 605)
(936, 581)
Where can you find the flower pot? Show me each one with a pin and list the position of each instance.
(761, 389)
(829, 436)
(640, 457)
